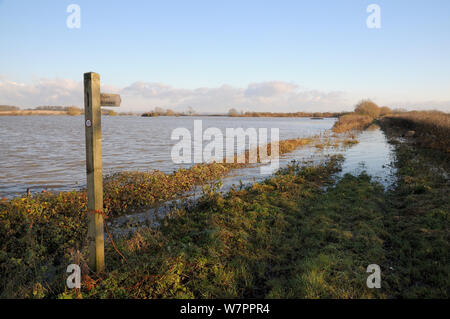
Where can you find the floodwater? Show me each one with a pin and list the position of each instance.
(48, 152)
(374, 155)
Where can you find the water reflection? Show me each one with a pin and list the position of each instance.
(373, 154)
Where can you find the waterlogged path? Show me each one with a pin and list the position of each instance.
(374, 155)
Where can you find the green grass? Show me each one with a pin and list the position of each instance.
(419, 249)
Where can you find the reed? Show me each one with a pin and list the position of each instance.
(431, 128)
(351, 122)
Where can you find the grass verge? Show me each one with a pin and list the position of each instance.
(418, 221)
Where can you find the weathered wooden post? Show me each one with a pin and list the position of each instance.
(93, 100)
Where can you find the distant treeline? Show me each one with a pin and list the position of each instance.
(52, 110)
(55, 108)
(234, 113)
(292, 114)
(39, 108)
(163, 112)
(8, 108)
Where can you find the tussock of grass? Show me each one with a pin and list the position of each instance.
(350, 142)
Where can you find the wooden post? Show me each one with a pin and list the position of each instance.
(92, 111)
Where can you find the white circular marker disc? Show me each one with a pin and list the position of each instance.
(88, 123)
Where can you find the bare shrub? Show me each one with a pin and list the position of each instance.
(367, 107)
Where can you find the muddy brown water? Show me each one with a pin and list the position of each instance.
(48, 152)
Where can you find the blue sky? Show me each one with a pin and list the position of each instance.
(159, 53)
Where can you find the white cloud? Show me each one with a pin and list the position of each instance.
(268, 89)
(264, 96)
(41, 92)
(274, 96)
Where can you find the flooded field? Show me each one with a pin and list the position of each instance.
(48, 152)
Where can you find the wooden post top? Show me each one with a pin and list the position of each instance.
(91, 75)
